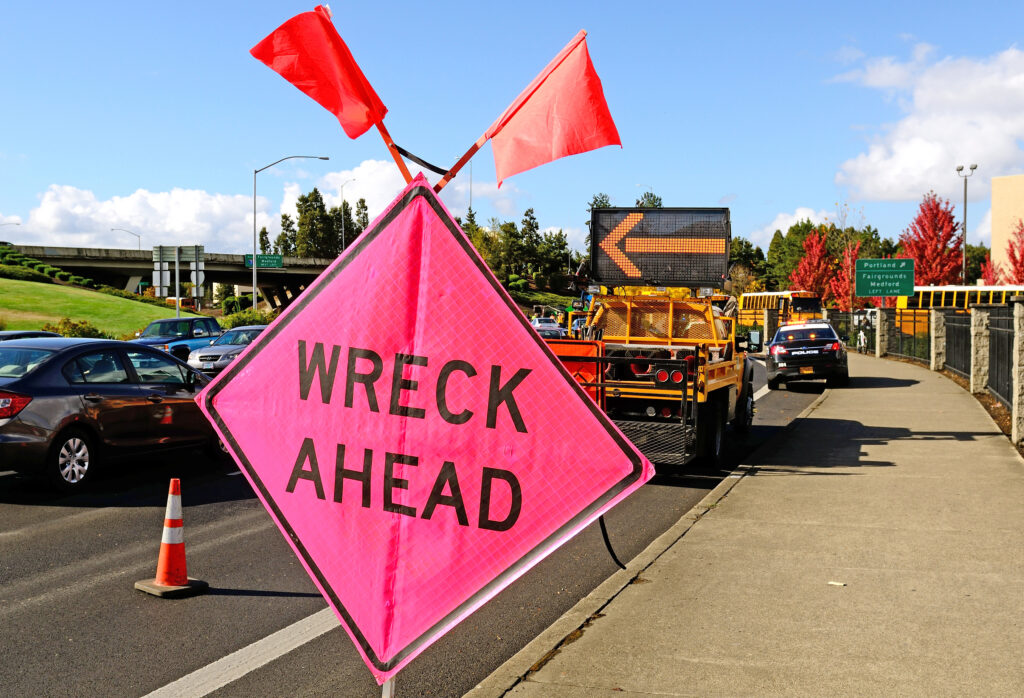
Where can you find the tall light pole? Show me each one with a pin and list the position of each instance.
(130, 233)
(255, 293)
(960, 173)
(341, 207)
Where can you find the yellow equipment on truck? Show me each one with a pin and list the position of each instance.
(652, 347)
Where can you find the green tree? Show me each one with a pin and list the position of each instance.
(649, 200)
(529, 231)
(284, 243)
(362, 217)
(264, 240)
(316, 236)
(599, 200)
(976, 256)
(742, 251)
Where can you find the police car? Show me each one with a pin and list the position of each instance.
(807, 351)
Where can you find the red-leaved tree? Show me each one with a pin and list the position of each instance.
(1015, 254)
(841, 283)
(815, 268)
(933, 243)
(991, 274)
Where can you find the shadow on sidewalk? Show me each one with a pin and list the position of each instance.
(839, 443)
(880, 382)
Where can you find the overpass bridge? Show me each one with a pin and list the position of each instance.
(125, 269)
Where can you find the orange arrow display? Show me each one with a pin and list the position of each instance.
(677, 246)
(611, 244)
(656, 245)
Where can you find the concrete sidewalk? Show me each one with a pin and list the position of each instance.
(878, 549)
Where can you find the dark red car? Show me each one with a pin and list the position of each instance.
(69, 404)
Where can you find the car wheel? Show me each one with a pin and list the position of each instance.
(711, 437)
(744, 410)
(217, 451)
(840, 381)
(774, 383)
(72, 460)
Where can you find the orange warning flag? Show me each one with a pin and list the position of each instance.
(308, 52)
(562, 112)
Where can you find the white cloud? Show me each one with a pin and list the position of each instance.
(956, 111)
(72, 217)
(762, 237)
(982, 232)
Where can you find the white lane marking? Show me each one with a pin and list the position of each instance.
(761, 393)
(204, 681)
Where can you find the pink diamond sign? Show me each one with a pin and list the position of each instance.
(417, 443)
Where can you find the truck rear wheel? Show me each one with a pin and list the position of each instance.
(744, 410)
(711, 431)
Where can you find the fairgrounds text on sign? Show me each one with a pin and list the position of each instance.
(884, 277)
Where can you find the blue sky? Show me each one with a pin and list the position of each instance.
(152, 117)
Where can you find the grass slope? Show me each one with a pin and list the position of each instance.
(25, 305)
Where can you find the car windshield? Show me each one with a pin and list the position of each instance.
(167, 328)
(237, 337)
(794, 334)
(16, 362)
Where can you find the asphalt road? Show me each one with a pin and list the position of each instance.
(71, 622)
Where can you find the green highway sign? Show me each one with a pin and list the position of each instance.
(265, 261)
(884, 277)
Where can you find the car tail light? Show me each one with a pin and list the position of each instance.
(778, 349)
(12, 403)
(835, 346)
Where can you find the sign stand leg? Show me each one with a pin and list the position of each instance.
(388, 689)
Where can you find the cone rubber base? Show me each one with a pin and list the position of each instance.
(194, 587)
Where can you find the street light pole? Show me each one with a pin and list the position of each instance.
(255, 293)
(130, 233)
(341, 207)
(959, 172)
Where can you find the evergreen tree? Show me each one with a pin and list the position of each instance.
(531, 241)
(284, 243)
(362, 217)
(264, 241)
(599, 200)
(316, 236)
(649, 200)
(933, 243)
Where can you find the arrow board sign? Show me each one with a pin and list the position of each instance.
(417, 461)
(687, 247)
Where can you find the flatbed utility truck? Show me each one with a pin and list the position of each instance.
(655, 350)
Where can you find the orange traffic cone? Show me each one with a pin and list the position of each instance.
(172, 580)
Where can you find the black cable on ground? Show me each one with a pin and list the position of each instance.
(608, 543)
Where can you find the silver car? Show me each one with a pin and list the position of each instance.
(214, 358)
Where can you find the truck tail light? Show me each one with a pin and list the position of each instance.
(661, 375)
(12, 403)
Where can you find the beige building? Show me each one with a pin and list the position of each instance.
(1007, 209)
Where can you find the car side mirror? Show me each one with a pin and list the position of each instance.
(212, 341)
(138, 334)
(754, 342)
(845, 339)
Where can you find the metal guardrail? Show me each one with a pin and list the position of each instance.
(1000, 354)
(958, 342)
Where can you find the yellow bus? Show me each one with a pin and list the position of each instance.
(793, 306)
(957, 296)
